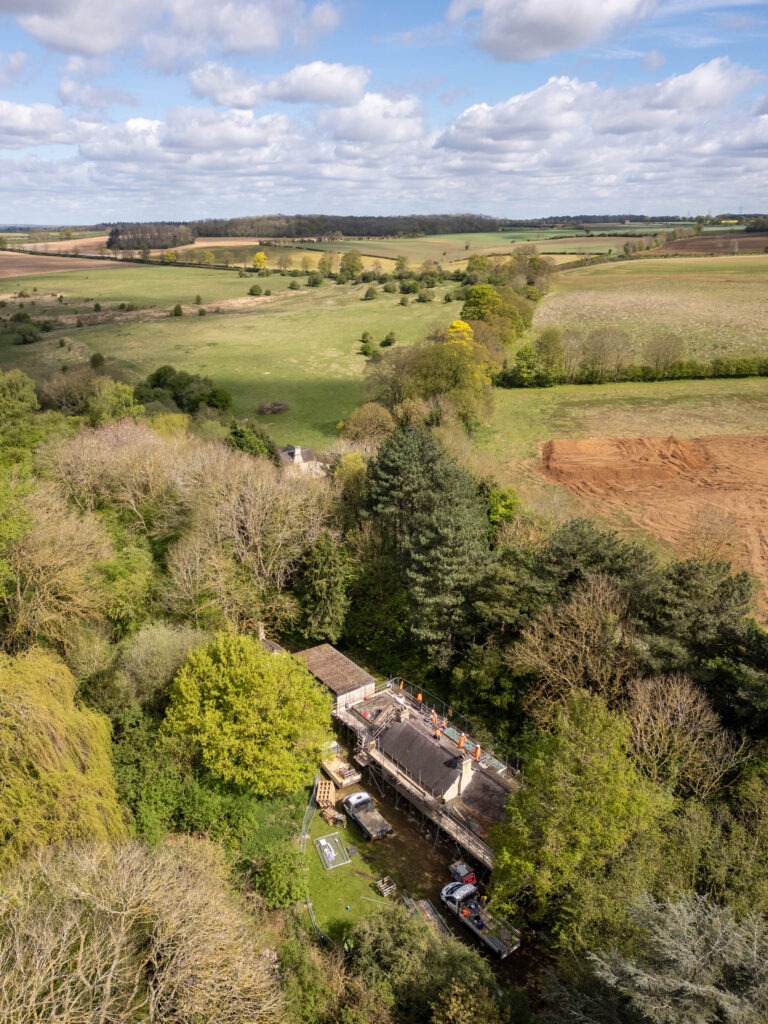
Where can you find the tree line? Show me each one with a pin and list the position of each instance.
(605, 356)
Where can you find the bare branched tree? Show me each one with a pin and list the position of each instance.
(584, 644)
(54, 590)
(677, 737)
(102, 935)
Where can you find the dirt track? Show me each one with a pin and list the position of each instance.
(706, 496)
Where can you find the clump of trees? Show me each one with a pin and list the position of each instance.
(170, 388)
(150, 236)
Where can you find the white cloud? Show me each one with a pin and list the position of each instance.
(89, 27)
(560, 105)
(707, 86)
(74, 93)
(33, 124)
(227, 86)
(317, 82)
(137, 139)
(195, 130)
(376, 119)
(677, 102)
(172, 30)
(526, 30)
(11, 68)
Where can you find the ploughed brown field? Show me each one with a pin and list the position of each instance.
(704, 496)
(716, 245)
(16, 264)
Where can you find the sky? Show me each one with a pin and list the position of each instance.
(131, 110)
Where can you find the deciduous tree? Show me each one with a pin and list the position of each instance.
(100, 933)
(582, 807)
(55, 763)
(254, 718)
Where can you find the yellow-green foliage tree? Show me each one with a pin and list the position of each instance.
(255, 719)
(57, 781)
(260, 261)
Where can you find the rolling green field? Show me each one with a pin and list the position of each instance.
(717, 305)
(297, 347)
(301, 347)
(142, 286)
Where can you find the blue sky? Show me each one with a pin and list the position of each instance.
(179, 109)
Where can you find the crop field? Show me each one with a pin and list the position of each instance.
(719, 244)
(16, 265)
(299, 347)
(717, 306)
(593, 245)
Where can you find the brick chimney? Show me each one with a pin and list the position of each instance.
(466, 774)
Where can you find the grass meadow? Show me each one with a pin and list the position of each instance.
(299, 347)
(138, 284)
(302, 347)
(718, 306)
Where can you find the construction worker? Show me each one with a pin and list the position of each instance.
(478, 752)
(462, 740)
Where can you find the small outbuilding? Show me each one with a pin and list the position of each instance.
(301, 460)
(348, 682)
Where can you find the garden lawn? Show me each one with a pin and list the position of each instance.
(349, 885)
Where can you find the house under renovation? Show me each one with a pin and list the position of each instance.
(420, 748)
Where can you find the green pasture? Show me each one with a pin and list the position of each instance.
(716, 305)
(138, 284)
(299, 347)
(440, 248)
(523, 419)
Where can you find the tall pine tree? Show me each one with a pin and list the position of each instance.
(434, 525)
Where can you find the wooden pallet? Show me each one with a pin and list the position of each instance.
(332, 817)
(386, 886)
(326, 794)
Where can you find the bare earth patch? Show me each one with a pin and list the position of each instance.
(706, 496)
(17, 264)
